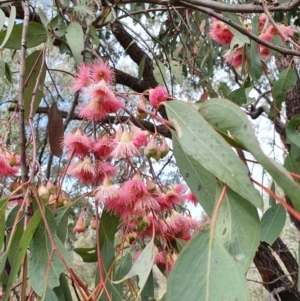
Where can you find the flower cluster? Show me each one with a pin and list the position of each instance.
(220, 33)
(144, 206)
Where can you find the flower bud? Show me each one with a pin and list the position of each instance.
(80, 225)
(51, 187)
(142, 224)
(93, 223)
(164, 149)
(151, 148)
(12, 160)
(43, 193)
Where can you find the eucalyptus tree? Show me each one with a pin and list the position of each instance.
(87, 132)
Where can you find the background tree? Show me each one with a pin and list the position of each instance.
(87, 142)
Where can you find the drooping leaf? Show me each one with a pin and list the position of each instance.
(293, 130)
(41, 253)
(205, 265)
(49, 295)
(63, 290)
(10, 25)
(108, 227)
(2, 19)
(176, 69)
(55, 131)
(22, 249)
(61, 216)
(141, 68)
(33, 66)
(272, 223)
(3, 203)
(285, 82)
(36, 35)
(201, 182)
(272, 201)
(75, 39)
(204, 144)
(58, 26)
(238, 228)
(239, 96)
(148, 290)
(159, 72)
(142, 266)
(226, 116)
(255, 62)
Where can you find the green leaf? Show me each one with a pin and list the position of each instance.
(141, 68)
(40, 254)
(226, 116)
(176, 69)
(205, 265)
(2, 19)
(10, 25)
(238, 228)
(58, 26)
(285, 82)
(22, 249)
(61, 216)
(63, 290)
(108, 227)
(159, 72)
(201, 182)
(43, 18)
(272, 201)
(33, 65)
(198, 139)
(49, 295)
(75, 40)
(272, 223)
(293, 130)
(87, 254)
(3, 203)
(148, 290)
(36, 35)
(255, 62)
(8, 73)
(239, 96)
(142, 266)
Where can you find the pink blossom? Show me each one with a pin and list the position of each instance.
(262, 20)
(93, 111)
(82, 78)
(83, 170)
(236, 59)
(8, 169)
(158, 95)
(106, 190)
(100, 91)
(105, 169)
(100, 70)
(103, 147)
(191, 198)
(77, 143)
(141, 139)
(124, 147)
(220, 32)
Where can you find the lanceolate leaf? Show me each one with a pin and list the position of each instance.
(40, 253)
(201, 182)
(272, 223)
(10, 26)
(55, 131)
(36, 35)
(226, 116)
(255, 62)
(33, 65)
(285, 82)
(75, 40)
(63, 290)
(141, 68)
(3, 203)
(204, 144)
(142, 266)
(22, 249)
(238, 228)
(293, 130)
(205, 266)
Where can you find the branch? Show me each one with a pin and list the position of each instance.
(221, 6)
